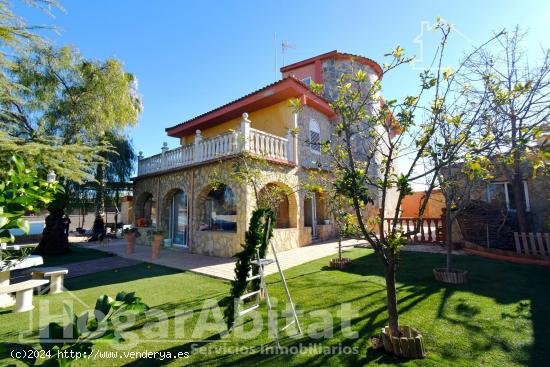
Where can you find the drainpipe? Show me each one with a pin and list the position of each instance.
(191, 210)
(158, 202)
(294, 146)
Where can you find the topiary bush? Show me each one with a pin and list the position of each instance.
(256, 238)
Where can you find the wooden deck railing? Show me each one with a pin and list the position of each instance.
(430, 230)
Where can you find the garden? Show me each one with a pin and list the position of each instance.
(498, 319)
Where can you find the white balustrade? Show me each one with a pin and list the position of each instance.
(204, 149)
(268, 145)
(181, 156)
(218, 146)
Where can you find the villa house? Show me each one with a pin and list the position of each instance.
(173, 190)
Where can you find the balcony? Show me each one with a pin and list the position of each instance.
(244, 139)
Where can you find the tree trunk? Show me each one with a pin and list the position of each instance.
(393, 317)
(516, 179)
(517, 188)
(100, 194)
(98, 228)
(449, 238)
(340, 247)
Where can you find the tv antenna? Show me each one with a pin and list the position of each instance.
(285, 46)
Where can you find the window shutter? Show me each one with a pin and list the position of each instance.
(314, 137)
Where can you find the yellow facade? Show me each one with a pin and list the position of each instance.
(275, 119)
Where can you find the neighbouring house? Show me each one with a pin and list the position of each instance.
(410, 205)
(174, 189)
(491, 216)
(498, 194)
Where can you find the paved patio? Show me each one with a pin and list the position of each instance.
(218, 267)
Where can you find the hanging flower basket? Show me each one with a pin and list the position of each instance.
(408, 345)
(455, 276)
(338, 263)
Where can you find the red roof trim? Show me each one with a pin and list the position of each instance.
(274, 93)
(335, 54)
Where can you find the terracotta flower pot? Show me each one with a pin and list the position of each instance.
(131, 242)
(155, 246)
(409, 344)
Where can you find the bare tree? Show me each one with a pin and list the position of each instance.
(520, 109)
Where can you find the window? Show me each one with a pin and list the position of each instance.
(220, 209)
(314, 137)
(307, 81)
(501, 194)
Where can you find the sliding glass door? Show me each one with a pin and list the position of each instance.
(179, 220)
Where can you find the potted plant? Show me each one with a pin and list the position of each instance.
(141, 222)
(157, 238)
(130, 234)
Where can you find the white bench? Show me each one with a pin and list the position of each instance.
(23, 293)
(56, 276)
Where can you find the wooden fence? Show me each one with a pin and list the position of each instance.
(537, 244)
(432, 230)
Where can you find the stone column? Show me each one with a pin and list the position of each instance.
(294, 145)
(140, 158)
(245, 132)
(197, 154)
(290, 146)
(164, 149)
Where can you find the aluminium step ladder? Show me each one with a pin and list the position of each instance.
(261, 263)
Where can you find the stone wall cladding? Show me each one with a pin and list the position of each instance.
(332, 69)
(306, 158)
(226, 244)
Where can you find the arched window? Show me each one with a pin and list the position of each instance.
(220, 210)
(314, 137)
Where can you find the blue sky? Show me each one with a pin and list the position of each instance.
(192, 56)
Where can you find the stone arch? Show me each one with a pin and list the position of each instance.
(145, 208)
(217, 208)
(282, 199)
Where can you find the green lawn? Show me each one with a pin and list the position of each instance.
(500, 319)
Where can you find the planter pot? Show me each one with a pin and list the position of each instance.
(131, 242)
(408, 345)
(155, 246)
(455, 276)
(338, 263)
